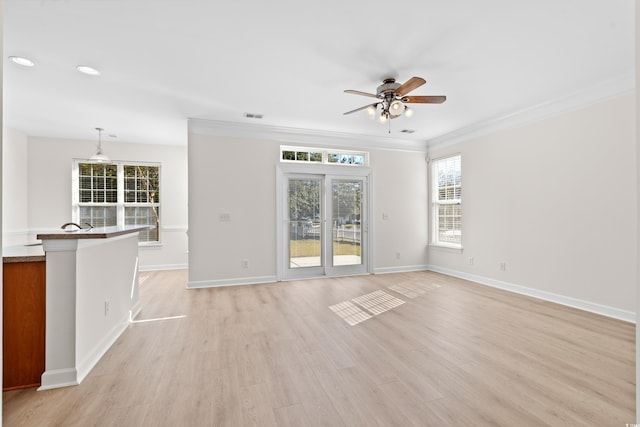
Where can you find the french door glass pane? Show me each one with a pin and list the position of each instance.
(345, 218)
(305, 239)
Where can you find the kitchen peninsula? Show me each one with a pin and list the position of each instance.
(91, 296)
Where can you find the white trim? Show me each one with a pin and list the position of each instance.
(173, 228)
(135, 310)
(446, 248)
(88, 243)
(151, 246)
(160, 267)
(433, 194)
(288, 135)
(598, 93)
(616, 313)
(60, 245)
(326, 172)
(58, 378)
(401, 269)
(231, 282)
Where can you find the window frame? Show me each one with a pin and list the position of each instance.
(328, 156)
(120, 204)
(436, 202)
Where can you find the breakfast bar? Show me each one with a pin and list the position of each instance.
(91, 296)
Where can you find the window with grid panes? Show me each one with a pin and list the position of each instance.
(97, 194)
(118, 193)
(446, 193)
(142, 198)
(323, 155)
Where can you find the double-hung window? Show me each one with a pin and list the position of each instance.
(446, 192)
(117, 193)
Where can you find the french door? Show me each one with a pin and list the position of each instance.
(325, 225)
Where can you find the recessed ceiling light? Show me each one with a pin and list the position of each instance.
(407, 131)
(25, 62)
(85, 69)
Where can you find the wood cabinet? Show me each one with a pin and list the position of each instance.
(23, 339)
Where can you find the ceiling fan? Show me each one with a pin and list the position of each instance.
(392, 98)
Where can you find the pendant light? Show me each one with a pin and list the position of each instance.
(99, 157)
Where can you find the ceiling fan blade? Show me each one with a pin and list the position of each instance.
(375, 104)
(357, 92)
(410, 85)
(424, 99)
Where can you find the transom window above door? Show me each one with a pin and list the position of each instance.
(323, 156)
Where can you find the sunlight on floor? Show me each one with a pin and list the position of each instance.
(367, 306)
(158, 319)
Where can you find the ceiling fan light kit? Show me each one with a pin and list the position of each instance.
(392, 99)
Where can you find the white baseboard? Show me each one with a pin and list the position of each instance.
(627, 316)
(230, 282)
(163, 267)
(402, 269)
(135, 310)
(57, 378)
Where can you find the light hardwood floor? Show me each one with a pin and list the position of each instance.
(454, 353)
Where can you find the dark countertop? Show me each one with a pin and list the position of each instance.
(23, 253)
(91, 233)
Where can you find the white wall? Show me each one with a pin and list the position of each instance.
(400, 194)
(15, 179)
(237, 176)
(556, 201)
(48, 189)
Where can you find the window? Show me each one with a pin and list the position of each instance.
(119, 193)
(323, 155)
(446, 200)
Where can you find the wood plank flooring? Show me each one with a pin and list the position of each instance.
(453, 353)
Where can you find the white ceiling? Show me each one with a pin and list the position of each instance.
(164, 61)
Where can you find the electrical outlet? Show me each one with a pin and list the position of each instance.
(470, 260)
(106, 308)
(397, 255)
(245, 263)
(385, 216)
(503, 266)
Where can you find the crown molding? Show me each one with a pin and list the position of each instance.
(609, 89)
(311, 137)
